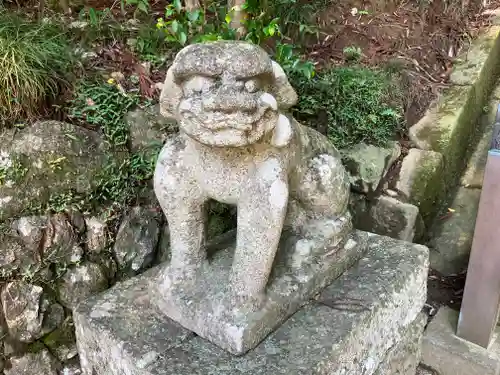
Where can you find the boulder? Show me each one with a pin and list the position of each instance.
(387, 216)
(62, 341)
(71, 368)
(148, 127)
(40, 363)
(44, 158)
(97, 234)
(421, 181)
(136, 241)
(61, 243)
(28, 313)
(81, 281)
(31, 230)
(15, 258)
(368, 164)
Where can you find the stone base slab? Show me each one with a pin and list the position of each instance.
(208, 308)
(448, 354)
(351, 328)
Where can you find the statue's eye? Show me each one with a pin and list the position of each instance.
(252, 85)
(197, 84)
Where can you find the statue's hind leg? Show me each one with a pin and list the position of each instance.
(319, 204)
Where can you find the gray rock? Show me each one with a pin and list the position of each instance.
(136, 241)
(40, 363)
(22, 308)
(148, 128)
(29, 313)
(44, 158)
(53, 315)
(387, 216)
(81, 281)
(368, 164)
(31, 230)
(15, 258)
(97, 234)
(77, 220)
(61, 243)
(421, 180)
(72, 368)
(62, 341)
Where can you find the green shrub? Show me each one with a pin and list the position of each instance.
(351, 105)
(102, 104)
(35, 59)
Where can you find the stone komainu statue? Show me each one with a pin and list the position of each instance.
(238, 146)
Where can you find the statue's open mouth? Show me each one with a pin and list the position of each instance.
(237, 120)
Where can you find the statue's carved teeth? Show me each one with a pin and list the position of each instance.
(269, 101)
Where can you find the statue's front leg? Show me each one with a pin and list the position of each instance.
(182, 200)
(261, 212)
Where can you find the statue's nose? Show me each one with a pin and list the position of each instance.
(230, 100)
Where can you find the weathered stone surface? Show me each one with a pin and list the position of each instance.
(15, 258)
(148, 127)
(61, 243)
(97, 234)
(421, 180)
(468, 66)
(474, 172)
(163, 254)
(41, 363)
(448, 354)
(387, 216)
(452, 238)
(62, 341)
(53, 315)
(81, 281)
(72, 368)
(446, 128)
(136, 241)
(433, 131)
(404, 357)
(22, 309)
(44, 158)
(207, 309)
(31, 230)
(425, 370)
(368, 164)
(348, 331)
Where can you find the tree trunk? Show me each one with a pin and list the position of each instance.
(192, 5)
(238, 16)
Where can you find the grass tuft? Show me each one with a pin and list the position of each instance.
(350, 105)
(35, 59)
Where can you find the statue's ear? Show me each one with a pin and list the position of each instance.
(281, 89)
(170, 96)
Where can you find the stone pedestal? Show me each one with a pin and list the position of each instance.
(366, 322)
(208, 308)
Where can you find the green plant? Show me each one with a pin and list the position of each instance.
(183, 27)
(352, 104)
(292, 63)
(352, 53)
(35, 63)
(104, 105)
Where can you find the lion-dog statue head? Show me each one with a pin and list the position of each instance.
(228, 94)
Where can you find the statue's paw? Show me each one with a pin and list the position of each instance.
(243, 303)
